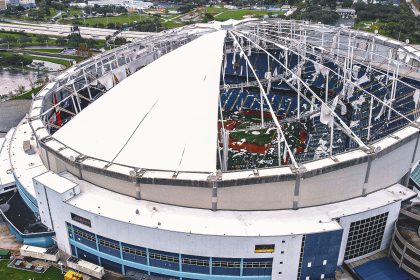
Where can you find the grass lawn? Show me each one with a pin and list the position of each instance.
(24, 17)
(371, 26)
(46, 50)
(75, 11)
(239, 14)
(259, 137)
(26, 39)
(53, 54)
(15, 274)
(215, 10)
(27, 95)
(368, 26)
(49, 59)
(171, 24)
(12, 34)
(113, 19)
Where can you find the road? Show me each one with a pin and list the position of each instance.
(65, 30)
(11, 112)
(413, 8)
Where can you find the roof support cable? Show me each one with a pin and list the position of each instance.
(343, 124)
(293, 42)
(273, 115)
(348, 81)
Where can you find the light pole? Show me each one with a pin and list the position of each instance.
(61, 266)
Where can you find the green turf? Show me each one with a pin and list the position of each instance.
(13, 34)
(215, 10)
(15, 274)
(122, 19)
(172, 24)
(260, 139)
(27, 95)
(46, 50)
(239, 14)
(49, 59)
(26, 18)
(54, 54)
(371, 26)
(75, 11)
(33, 39)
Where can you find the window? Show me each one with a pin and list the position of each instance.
(197, 262)
(302, 247)
(266, 248)
(134, 251)
(226, 264)
(365, 236)
(109, 244)
(258, 264)
(81, 220)
(322, 276)
(84, 235)
(165, 258)
(324, 262)
(309, 264)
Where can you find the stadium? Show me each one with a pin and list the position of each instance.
(254, 149)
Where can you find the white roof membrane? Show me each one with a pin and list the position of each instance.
(152, 119)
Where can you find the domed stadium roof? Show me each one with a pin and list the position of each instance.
(164, 116)
(235, 96)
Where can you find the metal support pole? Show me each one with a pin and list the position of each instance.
(262, 109)
(298, 101)
(74, 104)
(393, 89)
(331, 137)
(279, 146)
(370, 118)
(326, 86)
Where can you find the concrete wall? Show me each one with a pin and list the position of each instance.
(346, 179)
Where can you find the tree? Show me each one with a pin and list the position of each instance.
(20, 90)
(347, 3)
(61, 41)
(120, 41)
(42, 38)
(208, 17)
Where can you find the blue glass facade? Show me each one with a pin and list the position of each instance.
(130, 260)
(320, 254)
(224, 266)
(256, 267)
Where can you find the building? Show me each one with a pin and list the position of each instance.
(27, 4)
(219, 151)
(405, 247)
(346, 12)
(3, 5)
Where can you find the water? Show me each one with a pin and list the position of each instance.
(10, 79)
